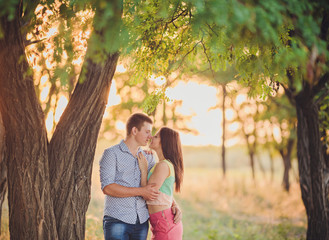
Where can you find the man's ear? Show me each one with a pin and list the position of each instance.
(134, 130)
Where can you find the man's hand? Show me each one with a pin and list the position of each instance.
(150, 192)
(177, 212)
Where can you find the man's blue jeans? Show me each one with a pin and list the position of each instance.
(115, 229)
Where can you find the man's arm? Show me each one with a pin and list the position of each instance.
(108, 164)
(176, 211)
(149, 192)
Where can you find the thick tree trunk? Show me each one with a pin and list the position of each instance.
(30, 207)
(72, 147)
(3, 168)
(71, 151)
(325, 151)
(311, 166)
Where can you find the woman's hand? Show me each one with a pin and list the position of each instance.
(143, 165)
(142, 162)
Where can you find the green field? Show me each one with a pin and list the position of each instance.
(236, 207)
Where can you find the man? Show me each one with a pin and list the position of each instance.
(125, 212)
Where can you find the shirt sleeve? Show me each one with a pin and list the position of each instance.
(107, 168)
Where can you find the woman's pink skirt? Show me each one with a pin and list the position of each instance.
(163, 226)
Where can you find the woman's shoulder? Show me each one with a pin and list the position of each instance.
(170, 165)
(164, 165)
(168, 162)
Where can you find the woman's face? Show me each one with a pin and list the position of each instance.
(155, 142)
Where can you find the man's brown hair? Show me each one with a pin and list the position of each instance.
(137, 120)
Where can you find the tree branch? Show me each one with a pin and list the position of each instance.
(187, 54)
(29, 42)
(208, 59)
(212, 29)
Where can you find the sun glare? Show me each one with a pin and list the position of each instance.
(113, 98)
(198, 101)
(52, 32)
(159, 81)
(229, 114)
(277, 134)
(50, 121)
(240, 99)
(120, 68)
(120, 125)
(62, 102)
(44, 93)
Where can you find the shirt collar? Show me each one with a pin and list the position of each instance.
(125, 148)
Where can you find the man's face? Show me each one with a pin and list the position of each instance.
(145, 134)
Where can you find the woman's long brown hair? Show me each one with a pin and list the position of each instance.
(172, 151)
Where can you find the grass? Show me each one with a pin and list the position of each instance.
(236, 207)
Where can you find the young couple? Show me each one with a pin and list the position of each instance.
(137, 189)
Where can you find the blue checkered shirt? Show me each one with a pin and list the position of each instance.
(119, 166)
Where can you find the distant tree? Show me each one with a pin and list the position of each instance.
(284, 42)
(282, 117)
(141, 95)
(248, 116)
(221, 80)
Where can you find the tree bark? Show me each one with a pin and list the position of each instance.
(70, 153)
(30, 207)
(311, 166)
(3, 168)
(72, 147)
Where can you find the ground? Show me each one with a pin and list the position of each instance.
(235, 207)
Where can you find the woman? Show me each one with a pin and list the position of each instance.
(164, 174)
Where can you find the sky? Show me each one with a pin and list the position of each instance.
(198, 100)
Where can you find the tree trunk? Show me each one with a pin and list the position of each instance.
(311, 166)
(261, 166)
(31, 213)
(224, 127)
(3, 168)
(71, 151)
(72, 147)
(286, 157)
(287, 166)
(252, 162)
(271, 164)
